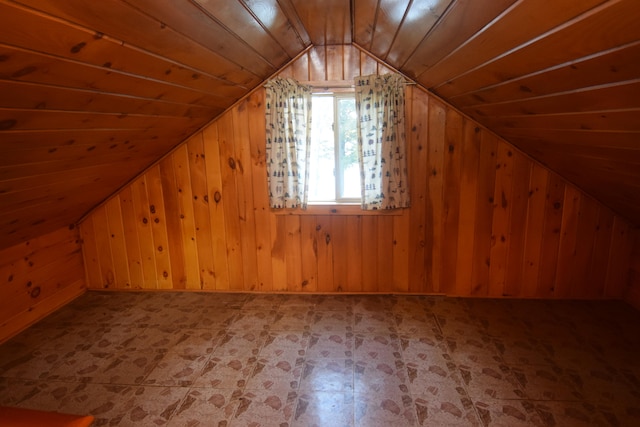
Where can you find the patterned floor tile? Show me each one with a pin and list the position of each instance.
(449, 407)
(281, 374)
(331, 321)
(488, 377)
(230, 359)
(508, 413)
(204, 407)
(292, 319)
(176, 369)
(240, 344)
(330, 345)
(381, 378)
(376, 410)
(321, 409)
(226, 372)
(327, 375)
(265, 408)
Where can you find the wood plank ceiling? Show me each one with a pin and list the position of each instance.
(91, 93)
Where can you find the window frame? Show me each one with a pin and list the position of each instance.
(336, 96)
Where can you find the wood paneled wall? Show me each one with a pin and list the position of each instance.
(485, 219)
(632, 293)
(37, 277)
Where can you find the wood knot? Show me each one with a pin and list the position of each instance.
(35, 292)
(152, 209)
(217, 197)
(232, 163)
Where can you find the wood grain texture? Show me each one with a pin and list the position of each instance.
(38, 276)
(104, 89)
(485, 219)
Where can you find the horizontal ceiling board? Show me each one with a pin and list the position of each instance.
(118, 20)
(462, 20)
(21, 65)
(617, 96)
(610, 66)
(110, 87)
(36, 96)
(602, 28)
(523, 21)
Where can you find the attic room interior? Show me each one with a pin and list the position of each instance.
(147, 279)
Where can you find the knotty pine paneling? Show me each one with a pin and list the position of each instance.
(485, 219)
(632, 293)
(37, 277)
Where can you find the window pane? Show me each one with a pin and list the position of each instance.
(349, 175)
(322, 184)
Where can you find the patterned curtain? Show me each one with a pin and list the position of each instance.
(288, 131)
(381, 141)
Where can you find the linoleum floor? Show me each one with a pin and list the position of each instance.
(203, 359)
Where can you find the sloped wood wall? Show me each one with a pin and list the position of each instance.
(632, 293)
(485, 220)
(37, 277)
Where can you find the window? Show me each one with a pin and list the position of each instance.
(334, 171)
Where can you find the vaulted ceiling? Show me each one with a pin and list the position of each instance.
(93, 92)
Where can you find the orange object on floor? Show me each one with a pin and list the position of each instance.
(20, 417)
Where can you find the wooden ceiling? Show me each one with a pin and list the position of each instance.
(93, 92)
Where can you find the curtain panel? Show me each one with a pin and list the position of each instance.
(288, 138)
(381, 141)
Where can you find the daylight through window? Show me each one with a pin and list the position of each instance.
(334, 172)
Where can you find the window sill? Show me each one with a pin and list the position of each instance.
(336, 209)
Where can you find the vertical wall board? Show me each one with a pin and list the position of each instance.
(244, 181)
(300, 68)
(309, 253)
(187, 216)
(534, 224)
(42, 274)
(368, 65)
(158, 218)
(351, 63)
(339, 240)
(292, 253)
(117, 243)
(585, 241)
(517, 224)
(202, 221)
(325, 253)
(567, 265)
(417, 137)
(150, 271)
(386, 248)
(370, 259)
(596, 270)
(335, 68)
(131, 239)
(551, 236)
(279, 252)
(502, 206)
(434, 169)
(354, 253)
(470, 154)
(257, 138)
(103, 246)
(484, 213)
(449, 241)
(173, 223)
(228, 164)
(622, 240)
(213, 166)
(317, 64)
(90, 254)
(452, 156)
